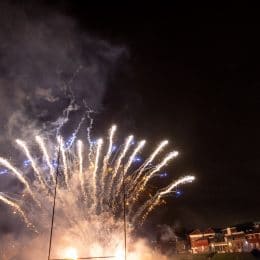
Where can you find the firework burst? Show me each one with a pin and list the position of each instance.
(91, 181)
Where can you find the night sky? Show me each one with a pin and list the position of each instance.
(190, 75)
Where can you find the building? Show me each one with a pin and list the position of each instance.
(219, 247)
(256, 224)
(218, 244)
(228, 240)
(182, 246)
(200, 241)
(252, 239)
(236, 240)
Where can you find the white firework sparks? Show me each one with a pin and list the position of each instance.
(89, 196)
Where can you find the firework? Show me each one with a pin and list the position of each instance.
(90, 188)
(149, 160)
(118, 164)
(99, 145)
(155, 200)
(28, 154)
(109, 151)
(16, 208)
(46, 156)
(130, 161)
(80, 157)
(61, 148)
(106, 162)
(158, 167)
(19, 175)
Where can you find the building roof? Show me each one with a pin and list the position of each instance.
(196, 232)
(254, 231)
(235, 236)
(231, 228)
(209, 231)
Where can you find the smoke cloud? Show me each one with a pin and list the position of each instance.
(46, 61)
(50, 71)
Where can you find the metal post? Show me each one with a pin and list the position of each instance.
(54, 204)
(53, 215)
(125, 228)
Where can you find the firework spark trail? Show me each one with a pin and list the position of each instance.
(169, 188)
(16, 207)
(62, 120)
(130, 161)
(107, 156)
(106, 161)
(135, 152)
(146, 178)
(75, 133)
(80, 157)
(148, 161)
(155, 200)
(87, 206)
(159, 166)
(94, 176)
(42, 146)
(91, 120)
(119, 160)
(64, 159)
(8, 165)
(122, 155)
(28, 154)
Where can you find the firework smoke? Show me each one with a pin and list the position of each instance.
(19, 175)
(88, 218)
(15, 207)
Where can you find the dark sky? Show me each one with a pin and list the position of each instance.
(191, 75)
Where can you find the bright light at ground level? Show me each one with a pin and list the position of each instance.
(120, 254)
(71, 253)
